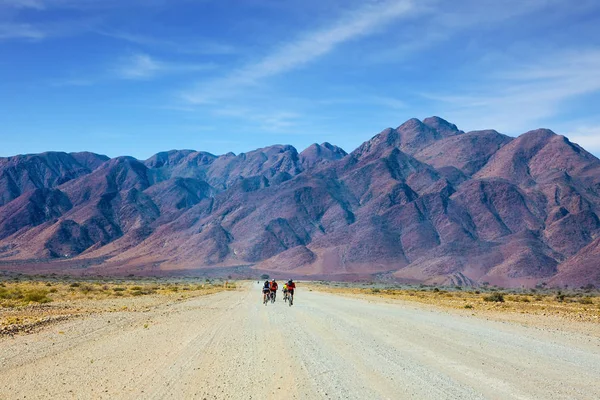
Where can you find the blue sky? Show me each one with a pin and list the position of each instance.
(141, 76)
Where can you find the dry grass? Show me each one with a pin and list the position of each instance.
(576, 306)
(26, 302)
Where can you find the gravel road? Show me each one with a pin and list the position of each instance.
(230, 346)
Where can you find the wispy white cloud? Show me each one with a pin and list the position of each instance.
(21, 31)
(143, 66)
(587, 136)
(520, 96)
(184, 46)
(35, 4)
(71, 82)
(268, 121)
(305, 49)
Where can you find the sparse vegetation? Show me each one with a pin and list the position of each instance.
(577, 305)
(494, 297)
(37, 296)
(25, 300)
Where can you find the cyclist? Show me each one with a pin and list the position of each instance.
(266, 290)
(274, 286)
(290, 287)
(285, 291)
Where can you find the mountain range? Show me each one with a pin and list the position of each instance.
(424, 202)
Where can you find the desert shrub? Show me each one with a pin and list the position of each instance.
(136, 293)
(85, 289)
(586, 300)
(11, 294)
(468, 306)
(560, 297)
(119, 289)
(74, 284)
(477, 292)
(136, 288)
(37, 296)
(375, 290)
(436, 290)
(494, 297)
(539, 298)
(53, 290)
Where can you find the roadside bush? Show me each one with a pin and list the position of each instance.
(53, 290)
(119, 289)
(74, 284)
(494, 297)
(85, 289)
(10, 294)
(37, 296)
(375, 290)
(468, 306)
(560, 297)
(136, 288)
(586, 300)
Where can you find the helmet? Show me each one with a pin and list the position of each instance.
(272, 280)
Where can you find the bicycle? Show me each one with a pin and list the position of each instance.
(272, 297)
(266, 297)
(290, 299)
(285, 296)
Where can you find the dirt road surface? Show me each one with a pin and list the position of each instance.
(230, 346)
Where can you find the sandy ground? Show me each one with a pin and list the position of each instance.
(230, 346)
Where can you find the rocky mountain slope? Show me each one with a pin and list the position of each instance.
(423, 202)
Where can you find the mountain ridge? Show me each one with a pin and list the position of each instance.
(423, 202)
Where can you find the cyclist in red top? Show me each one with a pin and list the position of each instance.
(290, 287)
(274, 286)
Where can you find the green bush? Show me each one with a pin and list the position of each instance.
(10, 294)
(37, 296)
(494, 297)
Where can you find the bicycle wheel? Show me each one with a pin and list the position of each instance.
(291, 300)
